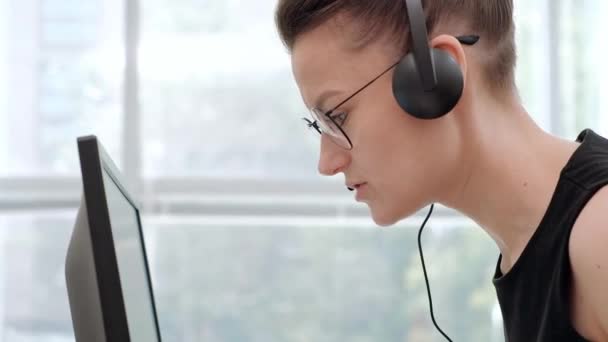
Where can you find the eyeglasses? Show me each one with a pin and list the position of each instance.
(330, 122)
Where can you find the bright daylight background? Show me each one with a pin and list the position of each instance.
(246, 241)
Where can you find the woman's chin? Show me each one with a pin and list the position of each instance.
(383, 218)
(388, 216)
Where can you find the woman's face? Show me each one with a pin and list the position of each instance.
(404, 161)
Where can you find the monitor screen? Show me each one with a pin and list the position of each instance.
(129, 250)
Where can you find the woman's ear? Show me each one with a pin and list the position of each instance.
(452, 46)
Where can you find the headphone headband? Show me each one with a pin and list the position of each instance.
(420, 45)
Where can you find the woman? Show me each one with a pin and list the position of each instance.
(541, 198)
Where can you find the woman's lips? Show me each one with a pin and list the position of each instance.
(361, 191)
(355, 186)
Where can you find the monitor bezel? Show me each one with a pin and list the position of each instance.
(94, 160)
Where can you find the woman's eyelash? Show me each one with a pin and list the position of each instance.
(339, 118)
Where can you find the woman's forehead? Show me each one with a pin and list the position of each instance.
(322, 59)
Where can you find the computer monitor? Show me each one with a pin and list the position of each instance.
(106, 267)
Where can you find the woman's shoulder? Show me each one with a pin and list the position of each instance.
(589, 262)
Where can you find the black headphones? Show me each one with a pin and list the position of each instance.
(427, 83)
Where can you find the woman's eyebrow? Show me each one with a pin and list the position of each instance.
(326, 95)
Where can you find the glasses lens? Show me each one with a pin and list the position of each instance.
(329, 127)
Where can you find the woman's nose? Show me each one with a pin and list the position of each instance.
(332, 158)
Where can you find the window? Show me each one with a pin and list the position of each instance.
(61, 66)
(216, 82)
(582, 70)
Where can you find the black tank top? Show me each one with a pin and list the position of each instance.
(534, 295)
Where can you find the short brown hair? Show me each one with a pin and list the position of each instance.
(492, 20)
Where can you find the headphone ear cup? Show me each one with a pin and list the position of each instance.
(410, 94)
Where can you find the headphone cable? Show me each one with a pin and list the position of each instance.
(428, 289)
